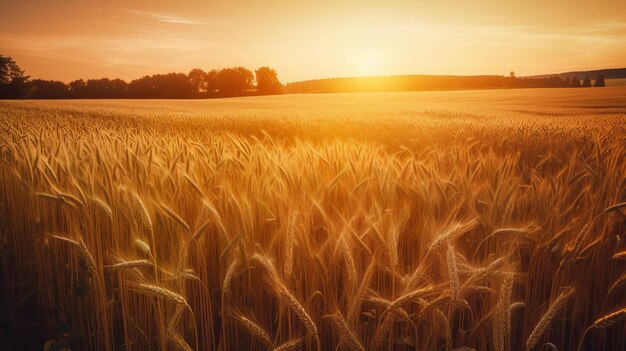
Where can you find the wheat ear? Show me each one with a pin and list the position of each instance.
(544, 323)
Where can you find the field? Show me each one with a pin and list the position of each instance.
(486, 220)
(616, 82)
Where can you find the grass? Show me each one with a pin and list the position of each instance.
(491, 220)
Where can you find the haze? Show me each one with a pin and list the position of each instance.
(71, 39)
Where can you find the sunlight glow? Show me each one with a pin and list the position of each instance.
(368, 62)
(67, 40)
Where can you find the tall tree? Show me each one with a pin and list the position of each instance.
(267, 81)
(12, 79)
(198, 78)
(575, 82)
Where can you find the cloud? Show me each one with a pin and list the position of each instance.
(166, 17)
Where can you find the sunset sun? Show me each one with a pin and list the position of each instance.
(368, 62)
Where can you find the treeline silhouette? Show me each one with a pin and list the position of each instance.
(607, 73)
(427, 82)
(239, 81)
(226, 82)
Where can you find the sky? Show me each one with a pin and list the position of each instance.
(70, 39)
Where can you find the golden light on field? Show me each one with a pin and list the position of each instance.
(468, 220)
(228, 194)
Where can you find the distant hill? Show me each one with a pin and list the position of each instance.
(609, 73)
(418, 82)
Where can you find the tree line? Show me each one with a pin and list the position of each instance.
(574, 82)
(427, 82)
(235, 81)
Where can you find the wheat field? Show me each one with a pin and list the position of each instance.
(478, 220)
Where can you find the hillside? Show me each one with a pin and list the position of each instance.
(609, 73)
(417, 83)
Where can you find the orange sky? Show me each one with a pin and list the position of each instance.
(70, 39)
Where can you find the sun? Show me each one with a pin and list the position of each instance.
(368, 62)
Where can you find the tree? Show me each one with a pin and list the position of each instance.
(512, 74)
(141, 88)
(267, 81)
(118, 88)
(587, 82)
(575, 82)
(568, 82)
(212, 81)
(48, 89)
(599, 82)
(12, 79)
(77, 89)
(198, 78)
(234, 81)
(162, 86)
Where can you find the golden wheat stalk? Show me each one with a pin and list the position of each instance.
(611, 319)
(130, 264)
(82, 248)
(503, 314)
(174, 216)
(278, 286)
(253, 328)
(143, 247)
(544, 323)
(288, 345)
(103, 206)
(163, 293)
(453, 273)
(414, 295)
(454, 230)
(344, 332)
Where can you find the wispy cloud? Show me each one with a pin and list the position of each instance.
(166, 17)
